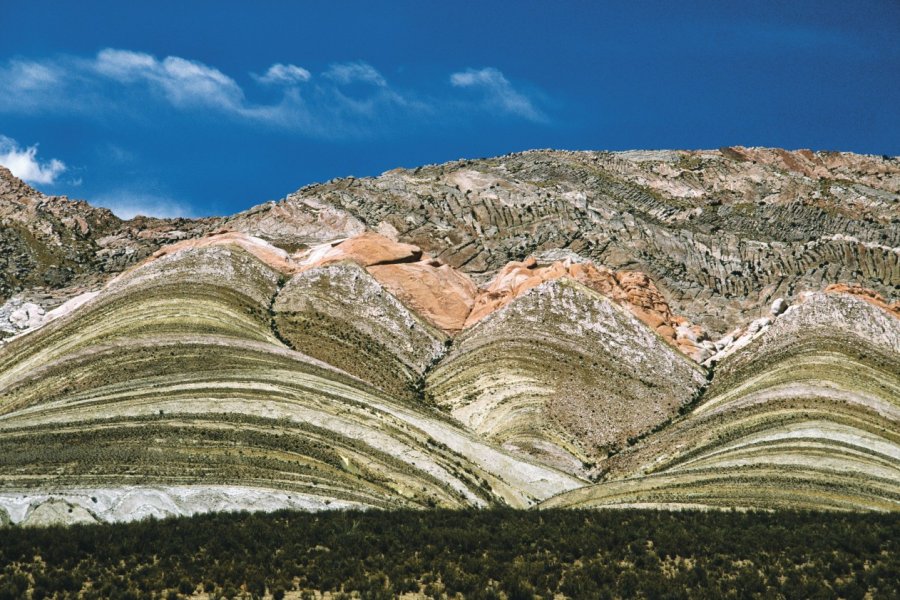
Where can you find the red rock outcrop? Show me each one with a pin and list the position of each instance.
(865, 294)
(631, 289)
(369, 249)
(437, 292)
(275, 257)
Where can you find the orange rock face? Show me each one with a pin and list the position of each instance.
(275, 257)
(865, 294)
(631, 289)
(437, 292)
(370, 249)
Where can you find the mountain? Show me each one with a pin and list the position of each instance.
(674, 328)
(721, 233)
(805, 415)
(53, 248)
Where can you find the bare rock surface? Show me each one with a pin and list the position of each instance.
(868, 295)
(714, 328)
(53, 242)
(438, 292)
(633, 290)
(722, 233)
(563, 374)
(367, 249)
(129, 503)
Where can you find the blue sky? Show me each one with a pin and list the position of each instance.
(202, 107)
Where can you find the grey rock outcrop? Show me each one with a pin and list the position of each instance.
(52, 242)
(778, 307)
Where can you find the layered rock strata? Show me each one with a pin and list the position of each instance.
(806, 415)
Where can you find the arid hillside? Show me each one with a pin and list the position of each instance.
(543, 329)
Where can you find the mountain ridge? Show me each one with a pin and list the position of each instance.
(532, 330)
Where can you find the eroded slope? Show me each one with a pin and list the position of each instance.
(173, 377)
(806, 415)
(564, 374)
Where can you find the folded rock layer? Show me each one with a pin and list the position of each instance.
(713, 329)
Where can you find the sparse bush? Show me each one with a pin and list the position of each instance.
(472, 553)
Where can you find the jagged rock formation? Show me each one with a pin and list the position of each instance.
(721, 233)
(541, 327)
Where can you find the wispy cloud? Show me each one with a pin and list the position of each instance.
(497, 92)
(24, 164)
(127, 204)
(279, 74)
(349, 99)
(355, 72)
(184, 83)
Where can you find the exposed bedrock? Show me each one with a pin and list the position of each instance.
(722, 233)
(533, 329)
(806, 415)
(564, 375)
(173, 376)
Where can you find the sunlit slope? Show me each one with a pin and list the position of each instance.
(341, 314)
(563, 374)
(173, 376)
(807, 415)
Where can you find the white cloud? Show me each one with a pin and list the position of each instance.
(23, 162)
(499, 93)
(36, 86)
(183, 82)
(349, 99)
(124, 65)
(284, 75)
(127, 204)
(355, 72)
(27, 75)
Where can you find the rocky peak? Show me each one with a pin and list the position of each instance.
(12, 188)
(54, 247)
